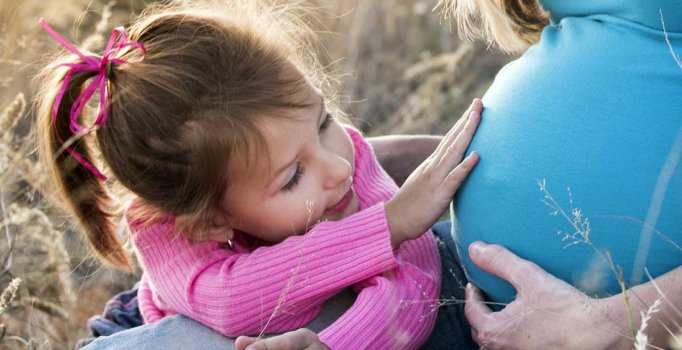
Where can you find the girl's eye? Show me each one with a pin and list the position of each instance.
(328, 118)
(294, 179)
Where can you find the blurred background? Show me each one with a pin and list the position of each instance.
(402, 69)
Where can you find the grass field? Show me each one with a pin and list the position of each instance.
(401, 69)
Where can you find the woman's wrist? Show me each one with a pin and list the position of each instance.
(627, 315)
(617, 328)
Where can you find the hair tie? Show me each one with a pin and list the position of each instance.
(102, 65)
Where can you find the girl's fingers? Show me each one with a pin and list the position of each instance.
(461, 171)
(300, 339)
(454, 152)
(243, 341)
(476, 106)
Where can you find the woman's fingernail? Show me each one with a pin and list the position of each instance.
(475, 249)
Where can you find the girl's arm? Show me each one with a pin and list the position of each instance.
(399, 155)
(271, 289)
(394, 310)
(282, 287)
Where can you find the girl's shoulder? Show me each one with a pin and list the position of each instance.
(355, 134)
(360, 144)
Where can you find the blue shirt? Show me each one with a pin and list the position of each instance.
(592, 111)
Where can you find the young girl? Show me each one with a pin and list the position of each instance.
(253, 204)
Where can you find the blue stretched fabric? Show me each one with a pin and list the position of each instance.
(594, 110)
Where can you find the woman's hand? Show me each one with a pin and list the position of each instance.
(546, 314)
(427, 192)
(300, 339)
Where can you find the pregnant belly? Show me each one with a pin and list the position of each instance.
(579, 144)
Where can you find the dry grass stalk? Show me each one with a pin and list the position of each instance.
(37, 226)
(675, 341)
(581, 235)
(47, 307)
(641, 339)
(9, 294)
(12, 114)
(279, 307)
(667, 40)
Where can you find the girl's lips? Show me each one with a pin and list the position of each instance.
(343, 203)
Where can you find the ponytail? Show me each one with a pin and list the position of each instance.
(85, 196)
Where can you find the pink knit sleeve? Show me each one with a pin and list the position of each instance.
(271, 289)
(145, 299)
(396, 309)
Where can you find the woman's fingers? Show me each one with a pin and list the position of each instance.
(543, 306)
(476, 311)
(506, 265)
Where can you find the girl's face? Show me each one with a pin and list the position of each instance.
(308, 178)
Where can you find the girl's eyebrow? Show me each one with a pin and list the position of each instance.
(320, 119)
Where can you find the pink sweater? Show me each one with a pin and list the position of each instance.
(278, 288)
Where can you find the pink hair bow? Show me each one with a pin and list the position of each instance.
(117, 41)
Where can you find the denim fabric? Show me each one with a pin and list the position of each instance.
(452, 331)
(120, 313)
(171, 333)
(180, 332)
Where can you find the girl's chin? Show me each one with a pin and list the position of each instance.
(351, 209)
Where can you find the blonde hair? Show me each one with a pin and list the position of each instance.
(513, 25)
(181, 120)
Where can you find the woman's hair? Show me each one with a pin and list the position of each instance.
(511, 24)
(183, 118)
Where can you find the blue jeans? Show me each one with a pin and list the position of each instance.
(452, 331)
(179, 332)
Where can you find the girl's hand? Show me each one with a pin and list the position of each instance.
(429, 189)
(400, 155)
(300, 339)
(546, 314)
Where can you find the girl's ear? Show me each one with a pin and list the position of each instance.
(221, 230)
(222, 234)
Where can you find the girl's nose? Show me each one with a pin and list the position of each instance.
(337, 170)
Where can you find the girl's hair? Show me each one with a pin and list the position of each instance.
(511, 24)
(182, 119)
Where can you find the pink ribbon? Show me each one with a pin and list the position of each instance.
(117, 41)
